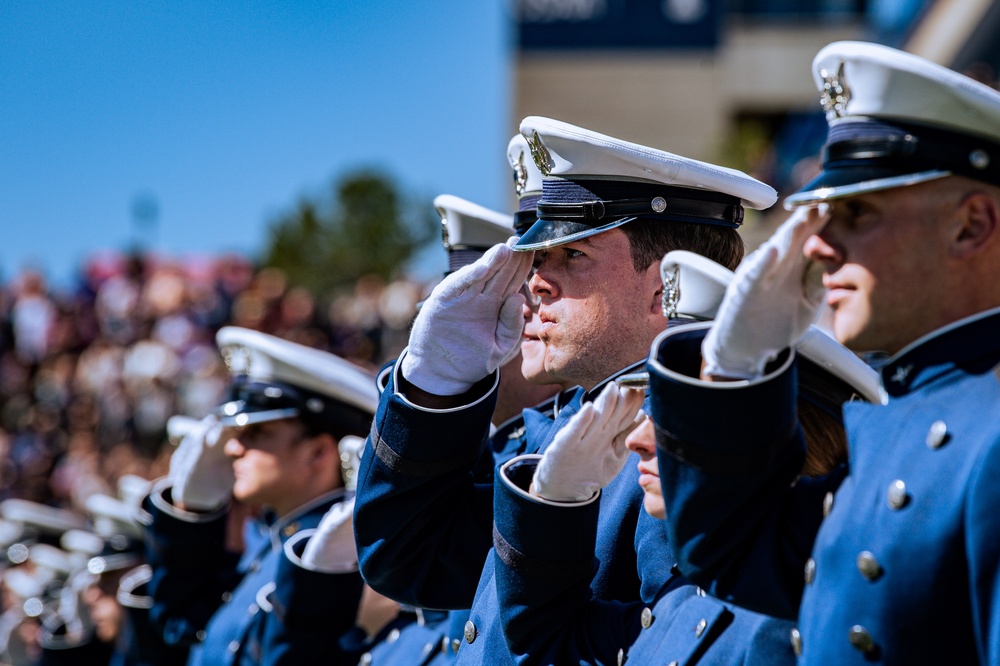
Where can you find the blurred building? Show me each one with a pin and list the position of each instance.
(726, 81)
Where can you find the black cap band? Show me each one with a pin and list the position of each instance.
(574, 209)
(523, 219)
(276, 400)
(672, 208)
(910, 148)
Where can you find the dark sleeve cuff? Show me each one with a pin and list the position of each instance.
(531, 532)
(182, 537)
(418, 442)
(705, 424)
(307, 600)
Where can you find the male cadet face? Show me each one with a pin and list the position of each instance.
(532, 349)
(597, 314)
(642, 441)
(270, 461)
(884, 255)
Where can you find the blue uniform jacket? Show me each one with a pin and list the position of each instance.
(551, 617)
(903, 568)
(140, 643)
(424, 525)
(422, 641)
(205, 597)
(433, 638)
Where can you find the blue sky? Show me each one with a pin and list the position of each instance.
(226, 112)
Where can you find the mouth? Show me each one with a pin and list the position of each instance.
(836, 291)
(649, 474)
(650, 483)
(545, 323)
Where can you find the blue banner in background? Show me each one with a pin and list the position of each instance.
(618, 24)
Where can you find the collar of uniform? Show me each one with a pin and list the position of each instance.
(289, 525)
(596, 391)
(560, 400)
(547, 407)
(970, 343)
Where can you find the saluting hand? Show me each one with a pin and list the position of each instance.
(773, 298)
(470, 325)
(331, 547)
(589, 451)
(200, 471)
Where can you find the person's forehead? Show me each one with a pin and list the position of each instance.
(273, 429)
(602, 240)
(892, 197)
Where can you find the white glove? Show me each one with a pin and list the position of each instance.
(589, 451)
(200, 471)
(470, 325)
(773, 298)
(331, 547)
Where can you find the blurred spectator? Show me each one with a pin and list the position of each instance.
(32, 315)
(88, 378)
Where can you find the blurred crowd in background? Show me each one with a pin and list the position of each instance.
(89, 376)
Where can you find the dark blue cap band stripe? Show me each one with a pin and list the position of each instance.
(909, 148)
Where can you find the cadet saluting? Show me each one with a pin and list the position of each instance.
(905, 567)
(274, 447)
(609, 211)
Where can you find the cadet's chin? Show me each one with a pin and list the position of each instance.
(243, 492)
(654, 506)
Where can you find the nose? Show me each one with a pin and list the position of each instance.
(642, 440)
(233, 448)
(822, 247)
(530, 300)
(539, 286)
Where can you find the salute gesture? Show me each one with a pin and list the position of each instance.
(200, 471)
(589, 451)
(774, 297)
(470, 325)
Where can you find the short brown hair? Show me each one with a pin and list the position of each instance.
(650, 239)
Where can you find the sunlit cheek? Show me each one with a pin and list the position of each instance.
(852, 320)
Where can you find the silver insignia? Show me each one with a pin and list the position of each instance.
(671, 292)
(836, 94)
(520, 174)
(539, 154)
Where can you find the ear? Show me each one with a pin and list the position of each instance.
(653, 286)
(978, 225)
(322, 447)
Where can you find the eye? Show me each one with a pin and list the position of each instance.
(573, 253)
(857, 210)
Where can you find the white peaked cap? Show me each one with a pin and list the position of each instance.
(469, 225)
(701, 283)
(569, 151)
(263, 358)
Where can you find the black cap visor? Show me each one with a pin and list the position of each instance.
(549, 233)
(849, 181)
